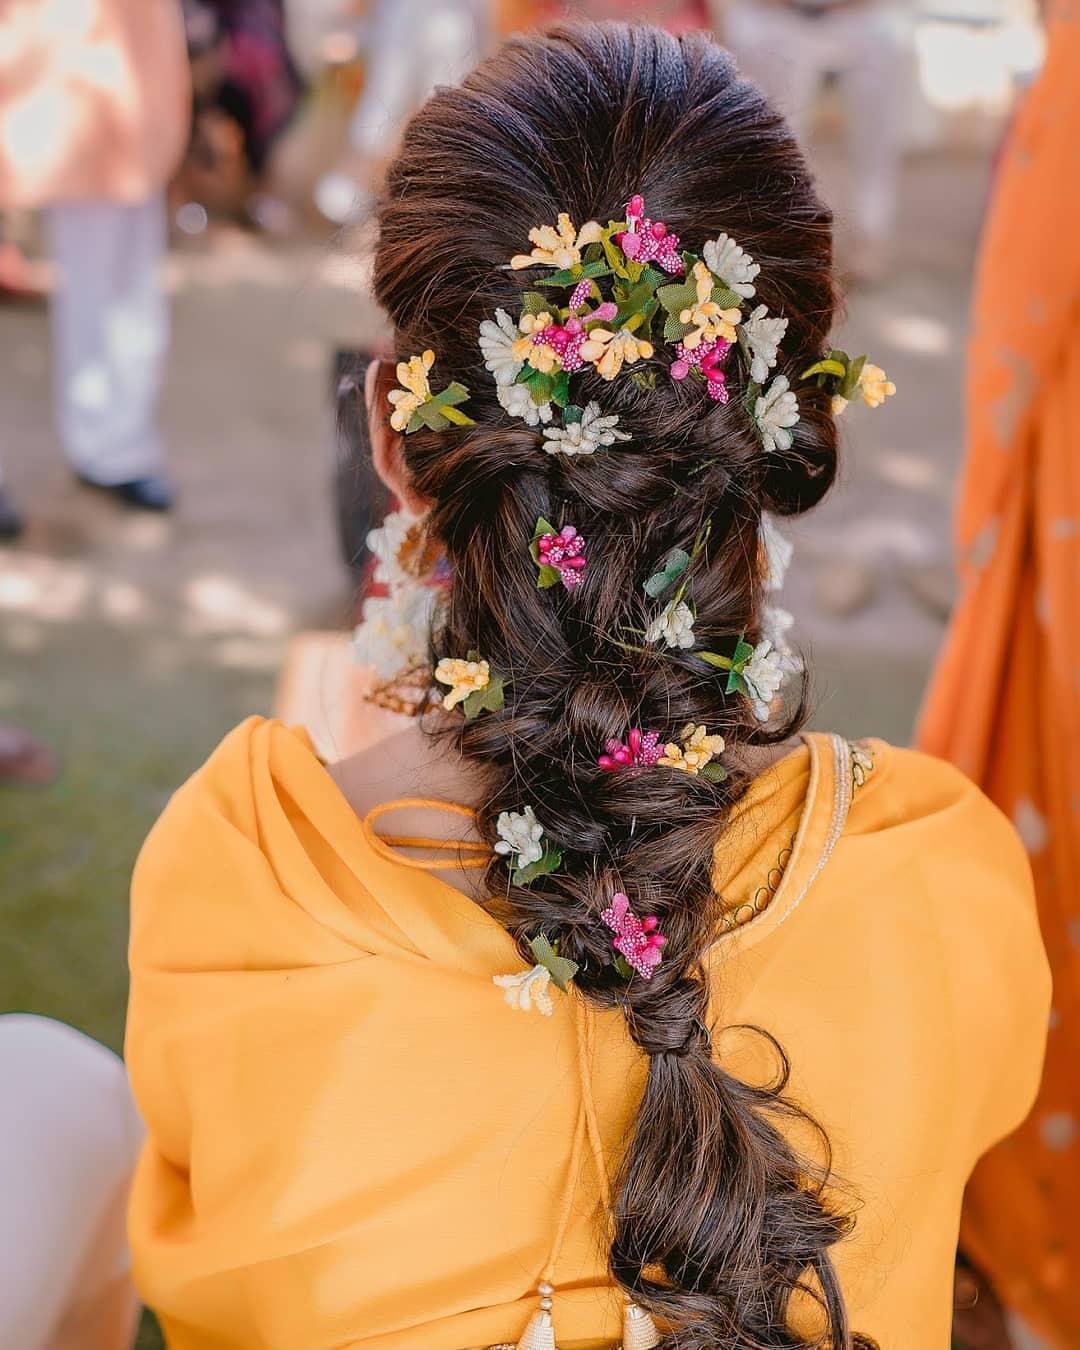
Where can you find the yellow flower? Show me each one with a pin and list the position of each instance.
(463, 677)
(558, 245)
(608, 350)
(697, 750)
(839, 403)
(530, 325)
(709, 320)
(412, 375)
(875, 385)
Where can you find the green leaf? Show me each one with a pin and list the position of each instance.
(570, 276)
(675, 564)
(743, 652)
(674, 331)
(753, 393)
(550, 862)
(492, 698)
(440, 411)
(725, 298)
(676, 298)
(713, 659)
(851, 383)
(532, 302)
(644, 379)
(715, 773)
(623, 966)
(736, 684)
(542, 527)
(560, 394)
(547, 577)
(826, 367)
(571, 414)
(562, 969)
(653, 277)
(541, 386)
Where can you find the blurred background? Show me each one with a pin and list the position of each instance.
(132, 636)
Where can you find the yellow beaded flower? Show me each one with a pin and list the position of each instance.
(415, 389)
(697, 751)
(558, 245)
(874, 386)
(608, 351)
(463, 677)
(709, 320)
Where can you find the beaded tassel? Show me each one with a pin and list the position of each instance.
(540, 1333)
(639, 1330)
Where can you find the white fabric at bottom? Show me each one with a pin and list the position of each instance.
(110, 335)
(69, 1138)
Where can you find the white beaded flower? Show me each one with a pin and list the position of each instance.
(775, 412)
(673, 625)
(778, 554)
(733, 265)
(763, 336)
(395, 631)
(520, 834)
(386, 543)
(518, 402)
(776, 623)
(764, 675)
(528, 990)
(497, 338)
(594, 432)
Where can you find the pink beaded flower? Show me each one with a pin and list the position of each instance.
(638, 940)
(565, 552)
(646, 240)
(642, 750)
(707, 357)
(566, 340)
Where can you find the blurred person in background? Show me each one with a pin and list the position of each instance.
(412, 46)
(677, 16)
(1004, 704)
(788, 47)
(94, 113)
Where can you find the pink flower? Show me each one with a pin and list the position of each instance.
(638, 940)
(565, 552)
(646, 240)
(642, 750)
(708, 356)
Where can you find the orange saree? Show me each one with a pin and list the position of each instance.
(1005, 701)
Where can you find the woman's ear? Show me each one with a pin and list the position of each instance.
(387, 446)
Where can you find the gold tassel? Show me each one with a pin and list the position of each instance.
(638, 1329)
(539, 1334)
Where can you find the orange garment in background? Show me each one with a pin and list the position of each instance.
(354, 1141)
(1005, 702)
(95, 100)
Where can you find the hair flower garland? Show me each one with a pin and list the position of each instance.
(639, 942)
(415, 406)
(559, 554)
(641, 750)
(697, 753)
(521, 842)
(472, 685)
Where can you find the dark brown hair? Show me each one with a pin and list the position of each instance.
(718, 1221)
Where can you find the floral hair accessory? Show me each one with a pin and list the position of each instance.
(674, 625)
(558, 245)
(471, 684)
(778, 552)
(697, 753)
(732, 265)
(707, 358)
(583, 432)
(846, 377)
(532, 986)
(776, 411)
(758, 672)
(645, 241)
(641, 751)
(415, 406)
(559, 554)
(521, 842)
(639, 942)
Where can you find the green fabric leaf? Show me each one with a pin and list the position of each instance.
(541, 386)
(570, 276)
(623, 966)
(550, 862)
(560, 394)
(547, 577)
(712, 659)
(571, 414)
(674, 331)
(826, 367)
(653, 277)
(542, 527)
(851, 383)
(492, 698)
(725, 298)
(743, 652)
(677, 297)
(715, 773)
(561, 969)
(675, 564)
(736, 684)
(532, 302)
(415, 423)
(644, 379)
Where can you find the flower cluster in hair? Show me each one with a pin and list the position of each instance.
(631, 288)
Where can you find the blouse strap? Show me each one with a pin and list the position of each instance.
(387, 846)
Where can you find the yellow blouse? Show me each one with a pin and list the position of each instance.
(354, 1140)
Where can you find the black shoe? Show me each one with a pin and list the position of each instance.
(153, 493)
(11, 523)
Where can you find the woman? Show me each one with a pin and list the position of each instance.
(1003, 703)
(487, 1074)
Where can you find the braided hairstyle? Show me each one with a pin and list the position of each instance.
(718, 1222)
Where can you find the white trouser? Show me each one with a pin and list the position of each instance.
(110, 335)
(788, 54)
(69, 1136)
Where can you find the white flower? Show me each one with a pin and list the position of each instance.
(764, 674)
(775, 412)
(528, 990)
(518, 402)
(674, 625)
(520, 833)
(776, 623)
(497, 340)
(386, 544)
(395, 632)
(778, 552)
(764, 337)
(592, 433)
(733, 265)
